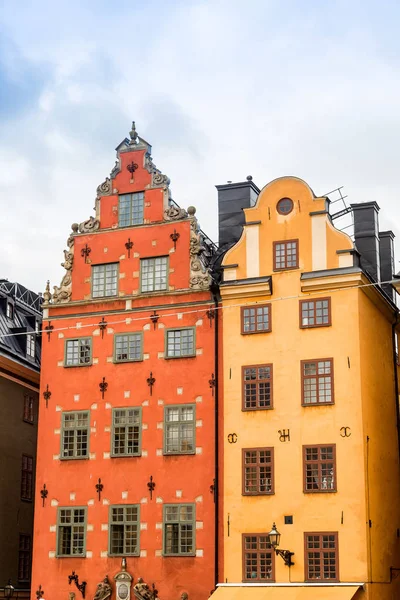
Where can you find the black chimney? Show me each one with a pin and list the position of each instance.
(232, 198)
(386, 253)
(366, 237)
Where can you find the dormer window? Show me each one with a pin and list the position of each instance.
(30, 345)
(130, 209)
(10, 310)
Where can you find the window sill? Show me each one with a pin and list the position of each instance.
(319, 491)
(311, 404)
(65, 458)
(182, 356)
(315, 326)
(255, 494)
(258, 408)
(185, 555)
(191, 453)
(89, 364)
(71, 555)
(286, 269)
(133, 455)
(29, 422)
(256, 332)
(128, 360)
(30, 500)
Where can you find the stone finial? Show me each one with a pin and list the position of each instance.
(133, 135)
(249, 177)
(191, 211)
(74, 227)
(47, 293)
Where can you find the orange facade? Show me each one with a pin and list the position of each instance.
(155, 415)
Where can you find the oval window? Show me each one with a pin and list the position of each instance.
(284, 206)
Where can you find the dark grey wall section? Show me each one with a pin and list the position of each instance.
(366, 236)
(232, 198)
(386, 253)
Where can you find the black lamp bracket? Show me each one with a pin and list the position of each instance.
(286, 555)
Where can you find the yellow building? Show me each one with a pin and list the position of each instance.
(309, 405)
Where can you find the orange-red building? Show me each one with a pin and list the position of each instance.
(126, 451)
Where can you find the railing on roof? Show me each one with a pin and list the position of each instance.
(343, 217)
(22, 295)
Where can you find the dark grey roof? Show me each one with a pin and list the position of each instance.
(13, 331)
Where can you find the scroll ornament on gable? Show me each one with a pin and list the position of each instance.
(63, 292)
(200, 278)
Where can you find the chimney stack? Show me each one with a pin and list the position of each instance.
(386, 252)
(366, 237)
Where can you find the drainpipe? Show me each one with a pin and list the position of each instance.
(214, 290)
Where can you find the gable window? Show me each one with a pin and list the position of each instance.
(321, 556)
(315, 313)
(130, 209)
(319, 468)
(179, 429)
(104, 280)
(258, 471)
(180, 342)
(24, 557)
(286, 255)
(153, 273)
(258, 558)
(124, 530)
(257, 387)
(78, 352)
(71, 528)
(126, 431)
(128, 347)
(179, 527)
(28, 415)
(26, 477)
(30, 345)
(256, 319)
(317, 381)
(75, 435)
(10, 311)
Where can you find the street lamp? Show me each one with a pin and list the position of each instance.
(274, 538)
(8, 590)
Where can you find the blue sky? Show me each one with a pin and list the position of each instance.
(222, 89)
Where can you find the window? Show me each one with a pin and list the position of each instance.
(105, 280)
(258, 558)
(126, 431)
(180, 342)
(154, 274)
(24, 557)
(37, 327)
(130, 209)
(321, 557)
(284, 206)
(319, 468)
(257, 387)
(256, 319)
(28, 409)
(75, 435)
(71, 528)
(179, 425)
(128, 347)
(317, 381)
(10, 310)
(30, 345)
(124, 530)
(315, 313)
(78, 352)
(286, 255)
(258, 473)
(26, 477)
(179, 527)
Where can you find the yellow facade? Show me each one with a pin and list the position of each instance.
(364, 511)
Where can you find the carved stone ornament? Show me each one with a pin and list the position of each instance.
(103, 590)
(123, 582)
(63, 293)
(92, 224)
(143, 592)
(157, 178)
(105, 188)
(173, 213)
(200, 278)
